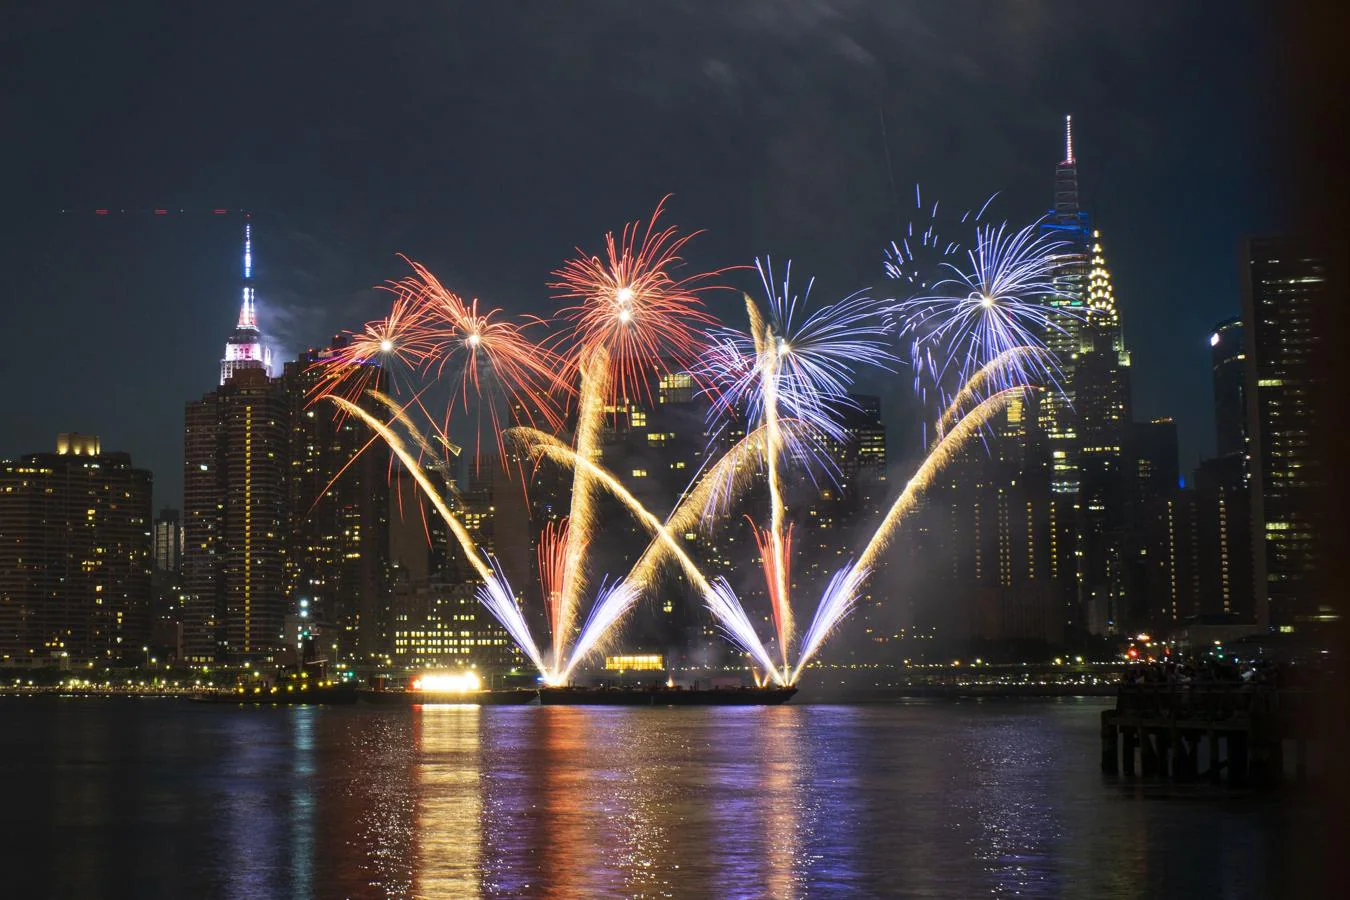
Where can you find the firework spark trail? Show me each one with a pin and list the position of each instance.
(840, 596)
(713, 488)
(942, 453)
(995, 371)
(546, 445)
(730, 614)
(496, 595)
(401, 451)
(400, 412)
(590, 416)
(776, 566)
(633, 305)
(552, 570)
(612, 604)
(803, 369)
(775, 556)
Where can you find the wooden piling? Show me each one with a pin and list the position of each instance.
(1237, 758)
(1148, 754)
(1242, 727)
(1110, 743)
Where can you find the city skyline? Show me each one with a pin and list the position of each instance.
(144, 276)
(676, 448)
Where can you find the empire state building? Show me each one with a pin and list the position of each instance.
(245, 348)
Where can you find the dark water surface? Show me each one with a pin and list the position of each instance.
(160, 798)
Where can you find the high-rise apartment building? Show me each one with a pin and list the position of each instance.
(337, 487)
(1283, 280)
(75, 555)
(286, 511)
(993, 551)
(235, 499)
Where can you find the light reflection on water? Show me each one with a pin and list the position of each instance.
(146, 798)
(449, 802)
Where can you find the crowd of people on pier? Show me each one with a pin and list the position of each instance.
(1207, 670)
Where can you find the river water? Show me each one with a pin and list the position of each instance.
(163, 798)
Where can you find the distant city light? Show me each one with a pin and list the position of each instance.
(1214, 339)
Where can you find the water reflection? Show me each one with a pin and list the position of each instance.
(139, 799)
(252, 814)
(303, 805)
(449, 803)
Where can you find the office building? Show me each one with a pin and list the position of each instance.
(1224, 538)
(1228, 361)
(1085, 426)
(1283, 280)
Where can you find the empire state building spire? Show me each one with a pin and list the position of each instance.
(245, 348)
(248, 315)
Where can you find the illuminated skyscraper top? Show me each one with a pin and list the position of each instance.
(1066, 212)
(245, 348)
(1086, 423)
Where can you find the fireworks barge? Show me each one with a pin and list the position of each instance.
(508, 697)
(447, 687)
(665, 696)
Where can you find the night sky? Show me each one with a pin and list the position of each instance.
(489, 139)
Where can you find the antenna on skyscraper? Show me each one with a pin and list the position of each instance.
(1068, 139)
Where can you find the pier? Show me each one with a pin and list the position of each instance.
(1224, 732)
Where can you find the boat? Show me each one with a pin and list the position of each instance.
(507, 697)
(279, 696)
(665, 696)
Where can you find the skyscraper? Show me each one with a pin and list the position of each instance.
(337, 488)
(1228, 360)
(1224, 537)
(1058, 413)
(236, 441)
(245, 348)
(1086, 424)
(168, 541)
(993, 549)
(236, 446)
(75, 555)
(1283, 279)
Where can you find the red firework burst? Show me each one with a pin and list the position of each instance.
(396, 341)
(508, 376)
(634, 305)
